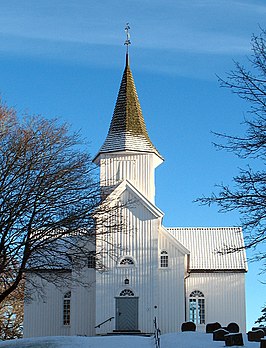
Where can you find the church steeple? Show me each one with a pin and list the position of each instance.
(128, 131)
(127, 152)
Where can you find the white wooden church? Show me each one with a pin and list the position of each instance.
(173, 274)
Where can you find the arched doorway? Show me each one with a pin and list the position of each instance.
(126, 311)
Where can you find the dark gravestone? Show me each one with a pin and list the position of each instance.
(188, 326)
(233, 328)
(234, 339)
(256, 335)
(260, 328)
(218, 335)
(263, 343)
(210, 327)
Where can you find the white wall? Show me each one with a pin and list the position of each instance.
(224, 294)
(138, 239)
(43, 315)
(171, 305)
(136, 168)
(83, 305)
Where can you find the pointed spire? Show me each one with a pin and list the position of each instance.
(127, 131)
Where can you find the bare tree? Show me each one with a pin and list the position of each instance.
(11, 314)
(262, 318)
(48, 201)
(248, 192)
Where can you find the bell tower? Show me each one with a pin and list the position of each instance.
(127, 152)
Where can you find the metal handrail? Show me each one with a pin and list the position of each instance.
(157, 333)
(99, 325)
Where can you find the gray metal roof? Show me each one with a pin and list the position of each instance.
(127, 130)
(208, 247)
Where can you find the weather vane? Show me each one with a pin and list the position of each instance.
(127, 42)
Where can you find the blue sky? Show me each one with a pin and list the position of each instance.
(65, 59)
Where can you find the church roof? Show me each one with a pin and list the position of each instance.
(209, 247)
(127, 130)
(137, 197)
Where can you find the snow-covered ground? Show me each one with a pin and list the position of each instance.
(173, 340)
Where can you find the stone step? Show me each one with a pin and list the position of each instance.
(129, 333)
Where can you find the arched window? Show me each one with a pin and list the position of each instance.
(126, 292)
(66, 308)
(164, 259)
(127, 262)
(197, 307)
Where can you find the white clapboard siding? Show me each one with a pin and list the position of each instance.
(224, 294)
(83, 304)
(136, 168)
(171, 305)
(43, 315)
(139, 240)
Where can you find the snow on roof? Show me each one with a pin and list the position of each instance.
(209, 247)
(127, 130)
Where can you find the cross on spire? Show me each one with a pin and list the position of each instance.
(127, 42)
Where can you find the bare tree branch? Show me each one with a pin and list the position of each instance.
(49, 198)
(247, 195)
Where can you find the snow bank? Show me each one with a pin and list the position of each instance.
(197, 340)
(173, 340)
(81, 342)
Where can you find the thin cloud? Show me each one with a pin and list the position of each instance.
(52, 28)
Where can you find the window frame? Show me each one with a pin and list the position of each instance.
(126, 293)
(164, 259)
(130, 264)
(67, 309)
(197, 307)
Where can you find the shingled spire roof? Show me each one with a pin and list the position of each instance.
(127, 130)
